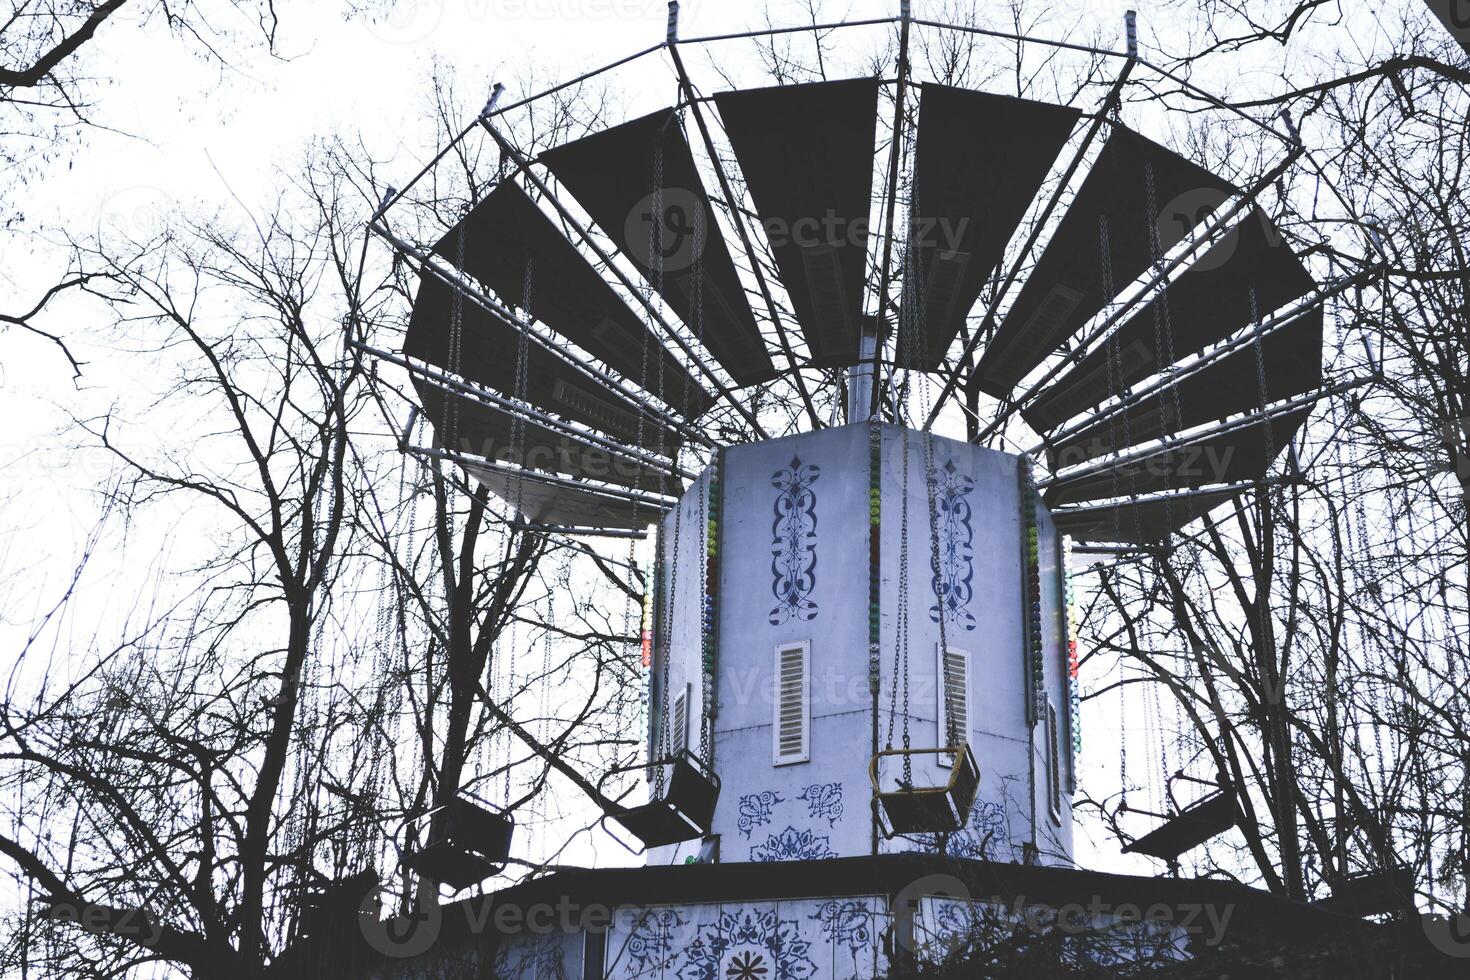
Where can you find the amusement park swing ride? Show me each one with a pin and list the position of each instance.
(619, 315)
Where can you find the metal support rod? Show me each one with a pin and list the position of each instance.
(582, 232)
(1270, 413)
(659, 503)
(494, 309)
(1015, 270)
(895, 155)
(445, 382)
(745, 241)
(1241, 339)
(584, 77)
(570, 531)
(1157, 281)
(1067, 510)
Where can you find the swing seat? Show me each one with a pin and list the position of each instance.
(472, 844)
(1203, 819)
(1373, 892)
(685, 811)
(927, 809)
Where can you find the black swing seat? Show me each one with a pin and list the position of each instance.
(927, 809)
(471, 844)
(1203, 819)
(1377, 892)
(685, 811)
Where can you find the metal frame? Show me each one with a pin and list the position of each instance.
(951, 371)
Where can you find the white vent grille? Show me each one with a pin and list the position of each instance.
(954, 699)
(945, 271)
(1040, 334)
(1053, 762)
(594, 411)
(824, 287)
(793, 704)
(679, 733)
(1082, 389)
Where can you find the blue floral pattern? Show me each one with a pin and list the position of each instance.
(845, 922)
(650, 946)
(755, 810)
(793, 845)
(954, 576)
(794, 542)
(986, 833)
(823, 801)
(749, 944)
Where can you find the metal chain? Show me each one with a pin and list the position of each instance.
(1163, 330)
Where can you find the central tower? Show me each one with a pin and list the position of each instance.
(824, 596)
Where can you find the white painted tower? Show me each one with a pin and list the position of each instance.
(775, 575)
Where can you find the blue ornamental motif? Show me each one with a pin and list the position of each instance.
(650, 946)
(749, 944)
(794, 542)
(954, 578)
(986, 833)
(793, 845)
(823, 801)
(755, 810)
(540, 957)
(845, 922)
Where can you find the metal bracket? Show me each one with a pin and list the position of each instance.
(672, 36)
(495, 93)
(1130, 23)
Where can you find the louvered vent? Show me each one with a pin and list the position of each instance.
(1053, 762)
(1040, 334)
(719, 321)
(1083, 389)
(618, 348)
(594, 411)
(824, 287)
(954, 706)
(679, 732)
(1116, 435)
(943, 281)
(793, 708)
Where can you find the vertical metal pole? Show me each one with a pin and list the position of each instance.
(895, 155)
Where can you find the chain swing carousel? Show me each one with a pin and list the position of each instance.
(741, 319)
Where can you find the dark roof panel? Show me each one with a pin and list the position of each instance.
(1201, 307)
(980, 160)
(1137, 522)
(1234, 456)
(612, 174)
(1066, 287)
(487, 355)
(807, 155)
(506, 231)
(1289, 361)
(487, 430)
